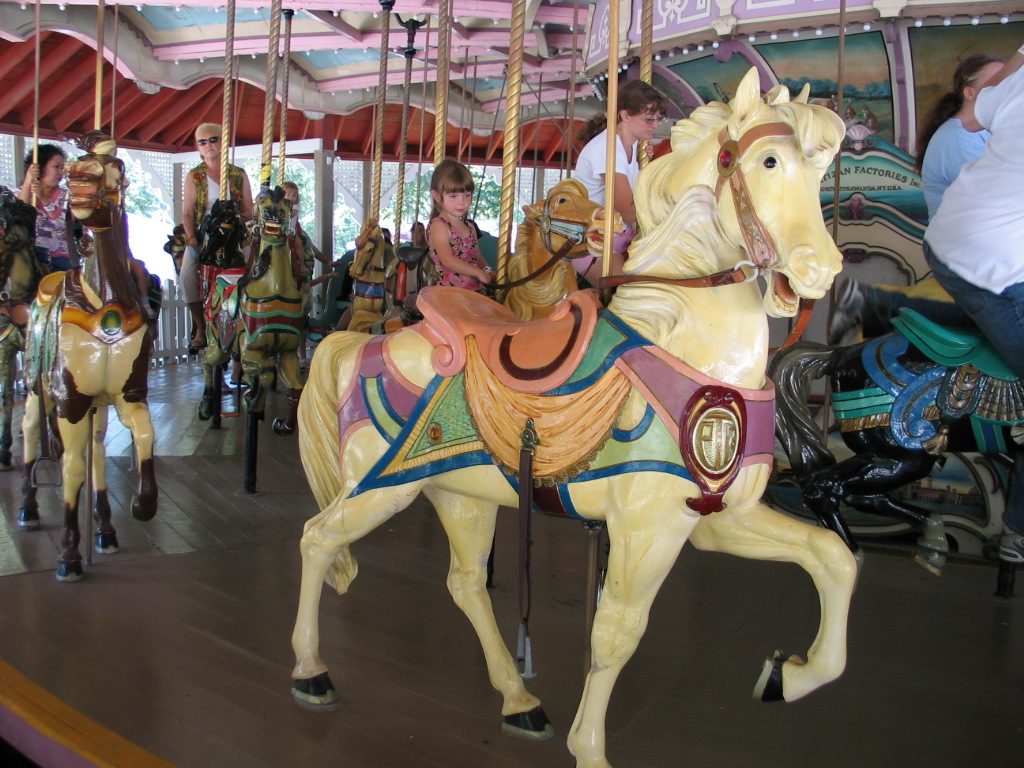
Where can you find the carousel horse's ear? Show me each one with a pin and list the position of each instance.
(746, 102)
(780, 95)
(804, 95)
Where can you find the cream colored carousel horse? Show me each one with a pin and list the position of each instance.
(653, 416)
(369, 267)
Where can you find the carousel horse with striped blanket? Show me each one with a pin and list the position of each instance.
(662, 395)
(88, 347)
(369, 268)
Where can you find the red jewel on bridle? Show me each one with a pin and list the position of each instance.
(725, 158)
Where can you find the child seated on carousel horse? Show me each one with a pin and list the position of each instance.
(452, 241)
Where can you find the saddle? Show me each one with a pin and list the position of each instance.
(532, 357)
(952, 347)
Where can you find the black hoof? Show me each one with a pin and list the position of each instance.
(203, 414)
(529, 725)
(28, 519)
(316, 692)
(106, 543)
(769, 685)
(143, 510)
(71, 571)
(282, 428)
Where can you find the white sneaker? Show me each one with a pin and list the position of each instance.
(1011, 547)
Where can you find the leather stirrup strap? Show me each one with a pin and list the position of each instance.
(524, 651)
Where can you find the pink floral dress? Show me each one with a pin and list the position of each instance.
(464, 248)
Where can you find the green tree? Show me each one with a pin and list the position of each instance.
(140, 196)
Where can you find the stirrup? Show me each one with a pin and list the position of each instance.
(524, 654)
(54, 482)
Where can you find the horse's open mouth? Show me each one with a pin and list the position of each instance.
(784, 298)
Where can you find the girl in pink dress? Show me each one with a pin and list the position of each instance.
(453, 246)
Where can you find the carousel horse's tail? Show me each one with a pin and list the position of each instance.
(794, 371)
(319, 439)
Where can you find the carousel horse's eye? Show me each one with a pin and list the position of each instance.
(770, 162)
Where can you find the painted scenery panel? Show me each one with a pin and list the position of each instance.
(937, 51)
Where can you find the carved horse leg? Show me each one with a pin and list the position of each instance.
(326, 557)
(136, 417)
(288, 363)
(104, 537)
(864, 482)
(758, 532)
(75, 436)
(8, 351)
(28, 516)
(643, 546)
(469, 524)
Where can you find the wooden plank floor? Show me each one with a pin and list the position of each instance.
(180, 643)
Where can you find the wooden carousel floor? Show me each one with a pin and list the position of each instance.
(176, 650)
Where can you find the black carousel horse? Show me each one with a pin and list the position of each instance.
(900, 402)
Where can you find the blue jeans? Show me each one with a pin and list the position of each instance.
(881, 306)
(1001, 318)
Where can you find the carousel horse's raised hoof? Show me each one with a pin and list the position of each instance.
(70, 571)
(932, 547)
(769, 685)
(28, 519)
(316, 692)
(106, 543)
(533, 724)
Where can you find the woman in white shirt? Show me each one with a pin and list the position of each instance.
(641, 108)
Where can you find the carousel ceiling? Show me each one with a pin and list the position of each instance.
(170, 64)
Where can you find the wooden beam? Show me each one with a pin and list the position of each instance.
(12, 93)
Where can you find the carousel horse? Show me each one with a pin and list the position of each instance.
(900, 402)
(88, 347)
(368, 270)
(270, 312)
(556, 226)
(20, 273)
(661, 396)
(221, 264)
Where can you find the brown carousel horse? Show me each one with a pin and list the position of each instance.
(554, 232)
(368, 271)
(88, 347)
(20, 273)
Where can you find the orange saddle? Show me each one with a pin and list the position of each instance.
(530, 357)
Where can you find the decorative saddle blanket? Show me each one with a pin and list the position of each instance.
(686, 425)
(911, 398)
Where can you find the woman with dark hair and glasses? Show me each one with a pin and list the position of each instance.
(42, 188)
(641, 108)
(202, 190)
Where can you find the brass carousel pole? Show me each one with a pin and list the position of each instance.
(510, 150)
(646, 63)
(570, 128)
(613, 115)
(35, 105)
(270, 102)
(285, 59)
(444, 37)
(227, 107)
(98, 120)
(382, 91)
(423, 120)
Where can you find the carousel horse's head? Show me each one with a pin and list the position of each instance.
(220, 235)
(97, 182)
(372, 253)
(742, 184)
(567, 212)
(273, 213)
(17, 220)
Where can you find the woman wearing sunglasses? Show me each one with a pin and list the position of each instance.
(641, 108)
(202, 190)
